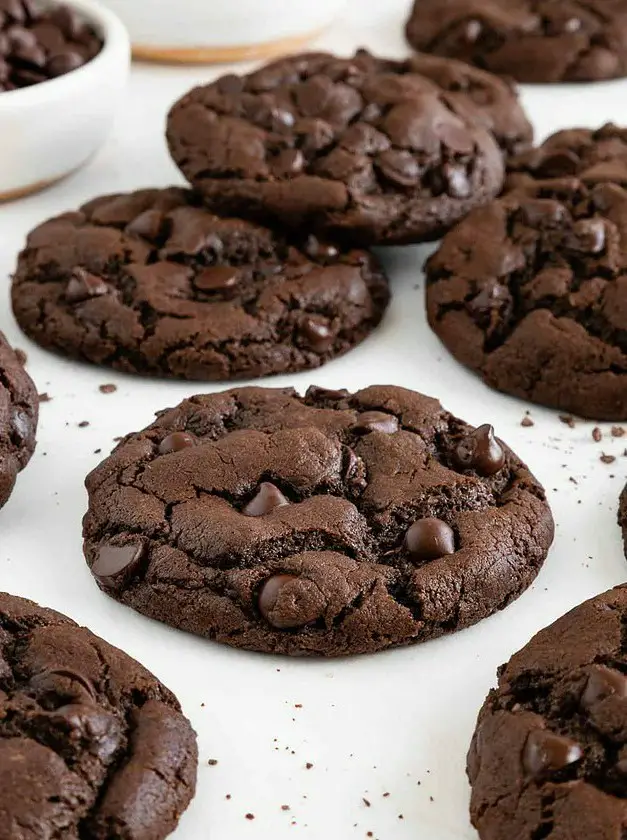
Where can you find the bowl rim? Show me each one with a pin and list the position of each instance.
(115, 38)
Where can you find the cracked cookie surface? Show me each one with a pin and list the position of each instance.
(363, 149)
(19, 410)
(328, 524)
(549, 755)
(529, 40)
(152, 283)
(530, 291)
(91, 744)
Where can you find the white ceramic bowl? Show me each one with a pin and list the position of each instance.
(50, 129)
(222, 30)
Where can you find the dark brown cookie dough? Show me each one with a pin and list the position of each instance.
(152, 283)
(19, 409)
(359, 148)
(91, 744)
(325, 525)
(529, 40)
(530, 291)
(549, 756)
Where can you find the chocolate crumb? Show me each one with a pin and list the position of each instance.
(97, 451)
(250, 816)
(21, 356)
(607, 459)
(298, 705)
(108, 388)
(309, 765)
(83, 424)
(45, 397)
(365, 801)
(228, 796)
(568, 420)
(597, 434)
(212, 762)
(618, 431)
(527, 422)
(369, 834)
(117, 439)
(401, 817)
(285, 807)
(386, 794)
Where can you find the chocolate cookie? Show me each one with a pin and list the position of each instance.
(358, 148)
(530, 292)
(529, 40)
(549, 756)
(19, 409)
(150, 282)
(325, 525)
(592, 156)
(91, 744)
(622, 516)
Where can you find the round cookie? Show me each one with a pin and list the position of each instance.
(328, 524)
(549, 755)
(150, 282)
(529, 40)
(91, 744)
(530, 292)
(357, 148)
(593, 156)
(19, 410)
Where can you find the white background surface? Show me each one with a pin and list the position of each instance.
(398, 722)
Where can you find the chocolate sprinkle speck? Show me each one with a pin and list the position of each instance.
(108, 388)
(597, 434)
(366, 803)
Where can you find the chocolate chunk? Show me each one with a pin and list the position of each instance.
(82, 285)
(148, 225)
(481, 451)
(176, 441)
(603, 682)
(219, 278)
(64, 682)
(285, 603)
(317, 334)
(267, 499)
(116, 564)
(547, 753)
(376, 421)
(429, 539)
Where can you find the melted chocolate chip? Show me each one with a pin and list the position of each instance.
(481, 452)
(376, 421)
(63, 682)
(317, 334)
(175, 442)
(115, 564)
(269, 596)
(546, 753)
(218, 278)
(429, 539)
(84, 285)
(603, 682)
(148, 224)
(267, 498)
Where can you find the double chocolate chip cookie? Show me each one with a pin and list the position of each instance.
(529, 40)
(549, 756)
(622, 516)
(19, 409)
(331, 524)
(91, 744)
(152, 283)
(530, 291)
(363, 149)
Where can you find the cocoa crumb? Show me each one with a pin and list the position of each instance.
(309, 765)
(527, 422)
(83, 424)
(285, 807)
(597, 434)
(365, 801)
(607, 459)
(618, 431)
(568, 420)
(386, 794)
(212, 762)
(228, 796)
(108, 388)
(45, 397)
(250, 816)
(97, 451)
(298, 705)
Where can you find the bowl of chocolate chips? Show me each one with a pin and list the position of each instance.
(63, 67)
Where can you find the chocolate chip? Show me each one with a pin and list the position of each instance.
(429, 539)
(481, 452)
(603, 682)
(376, 421)
(64, 62)
(317, 334)
(315, 392)
(587, 236)
(98, 729)
(175, 442)
(63, 682)
(457, 183)
(217, 278)
(116, 564)
(318, 250)
(230, 85)
(288, 162)
(83, 285)
(455, 137)
(267, 498)
(491, 298)
(399, 167)
(148, 224)
(286, 602)
(546, 753)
